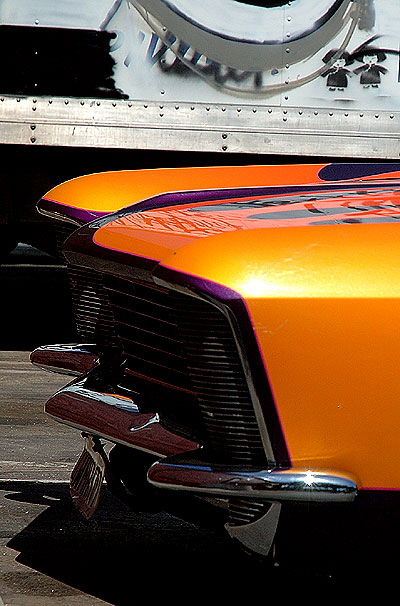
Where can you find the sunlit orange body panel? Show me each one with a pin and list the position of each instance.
(324, 301)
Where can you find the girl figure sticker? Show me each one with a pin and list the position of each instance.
(370, 71)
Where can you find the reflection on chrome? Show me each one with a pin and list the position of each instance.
(185, 472)
(69, 359)
(114, 417)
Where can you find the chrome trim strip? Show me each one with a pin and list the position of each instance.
(184, 472)
(258, 411)
(115, 418)
(68, 359)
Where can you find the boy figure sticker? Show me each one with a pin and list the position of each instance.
(337, 74)
(370, 71)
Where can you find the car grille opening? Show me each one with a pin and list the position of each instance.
(182, 360)
(93, 315)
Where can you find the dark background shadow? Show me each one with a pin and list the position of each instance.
(120, 553)
(36, 303)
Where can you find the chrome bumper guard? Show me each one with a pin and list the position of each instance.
(115, 418)
(68, 359)
(184, 472)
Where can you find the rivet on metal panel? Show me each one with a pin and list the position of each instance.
(300, 112)
(82, 103)
(254, 110)
(192, 108)
(66, 102)
(361, 115)
(161, 115)
(331, 113)
(239, 109)
(315, 113)
(162, 92)
(224, 147)
(114, 104)
(223, 109)
(176, 106)
(270, 111)
(98, 103)
(50, 101)
(33, 126)
(207, 109)
(224, 135)
(34, 100)
(346, 114)
(391, 116)
(145, 106)
(33, 139)
(376, 115)
(18, 100)
(288, 50)
(34, 109)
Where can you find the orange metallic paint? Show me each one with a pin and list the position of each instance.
(110, 191)
(325, 306)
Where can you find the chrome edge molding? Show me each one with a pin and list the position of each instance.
(185, 473)
(115, 418)
(68, 359)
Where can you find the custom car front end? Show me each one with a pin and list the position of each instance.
(238, 336)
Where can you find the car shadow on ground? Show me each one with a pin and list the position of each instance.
(119, 551)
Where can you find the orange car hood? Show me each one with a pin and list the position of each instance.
(338, 243)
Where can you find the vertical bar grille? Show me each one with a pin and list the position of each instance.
(182, 360)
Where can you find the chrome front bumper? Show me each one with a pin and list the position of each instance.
(182, 465)
(186, 472)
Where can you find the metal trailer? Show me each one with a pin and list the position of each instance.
(304, 78)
